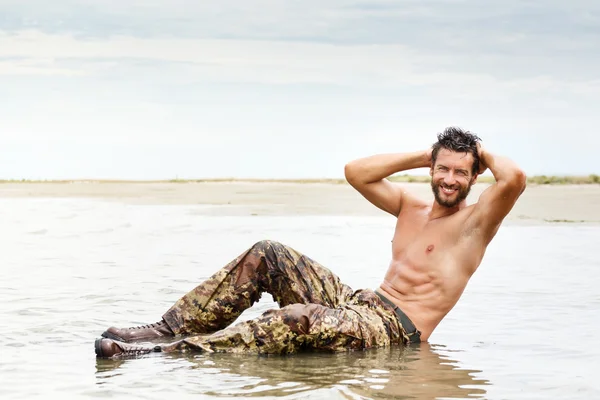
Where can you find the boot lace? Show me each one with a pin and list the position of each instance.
(149, 326)
(136, 350)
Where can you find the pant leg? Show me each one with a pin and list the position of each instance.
(363, 323)
(268, 266)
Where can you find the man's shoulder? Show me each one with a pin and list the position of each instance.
(414, 201)
(412, 208)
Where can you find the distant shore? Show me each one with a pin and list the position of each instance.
(541, 203)
(536, 179)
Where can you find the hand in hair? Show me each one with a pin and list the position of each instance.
(429, 154)
(480, 152)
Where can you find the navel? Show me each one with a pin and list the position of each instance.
(430, 248)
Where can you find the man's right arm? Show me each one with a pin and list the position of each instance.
(368, 176)
(497, 200)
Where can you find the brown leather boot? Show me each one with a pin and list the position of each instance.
(108, 348)
(143, 332)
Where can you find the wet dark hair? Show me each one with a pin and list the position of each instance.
(458, 140)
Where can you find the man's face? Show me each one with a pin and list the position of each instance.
(451, 177)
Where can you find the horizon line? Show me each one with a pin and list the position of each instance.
(535, 179)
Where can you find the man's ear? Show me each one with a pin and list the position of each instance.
(474, 179)
(431, 171)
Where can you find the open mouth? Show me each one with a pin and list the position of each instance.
(448, 190)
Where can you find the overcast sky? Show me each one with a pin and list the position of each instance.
(157, 89)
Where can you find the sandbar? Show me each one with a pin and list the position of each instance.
(539, 203)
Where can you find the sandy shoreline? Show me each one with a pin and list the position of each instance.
(539, 203)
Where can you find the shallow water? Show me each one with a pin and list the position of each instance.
(525, 328)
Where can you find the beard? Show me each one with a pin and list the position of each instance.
(462, 194)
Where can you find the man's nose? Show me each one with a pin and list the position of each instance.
(449, 179)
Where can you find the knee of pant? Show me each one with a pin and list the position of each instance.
(297, 317)
(251, 262)
(266, 244)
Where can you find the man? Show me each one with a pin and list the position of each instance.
(436, 248)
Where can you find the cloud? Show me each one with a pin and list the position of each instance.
(180, 61)
(23, 66)
(507, 40)
(353, 76)
(435, 24)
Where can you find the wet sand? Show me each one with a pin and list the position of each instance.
(539, 203)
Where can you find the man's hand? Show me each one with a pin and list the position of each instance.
(429, 156)
(481, 153)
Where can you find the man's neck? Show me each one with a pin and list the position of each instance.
(440, 211)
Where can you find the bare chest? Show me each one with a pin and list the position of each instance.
(434, 248)
(419, 249)
(426, 246)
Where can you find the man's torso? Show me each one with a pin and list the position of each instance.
(432, 262)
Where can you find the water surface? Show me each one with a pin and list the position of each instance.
(525, 328)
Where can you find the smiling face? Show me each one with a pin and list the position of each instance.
(452, 177)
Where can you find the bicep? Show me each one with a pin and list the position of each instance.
(386, 195)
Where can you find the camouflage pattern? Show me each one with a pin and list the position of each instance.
(317, 312)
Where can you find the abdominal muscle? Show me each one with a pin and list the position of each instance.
(425, 297)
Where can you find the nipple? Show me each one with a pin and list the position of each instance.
(430, 248)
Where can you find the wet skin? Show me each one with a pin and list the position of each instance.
(436, 246)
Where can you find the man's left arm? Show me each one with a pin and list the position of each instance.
(498, 200)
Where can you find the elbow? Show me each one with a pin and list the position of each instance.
(519, 179)
(350, 173)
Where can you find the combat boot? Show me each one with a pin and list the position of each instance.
(143, 332)
(108, 348)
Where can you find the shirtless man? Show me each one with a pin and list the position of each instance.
(436, 248)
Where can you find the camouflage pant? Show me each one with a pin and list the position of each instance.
(317, 311)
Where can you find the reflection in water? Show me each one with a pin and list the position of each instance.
(423, 371)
